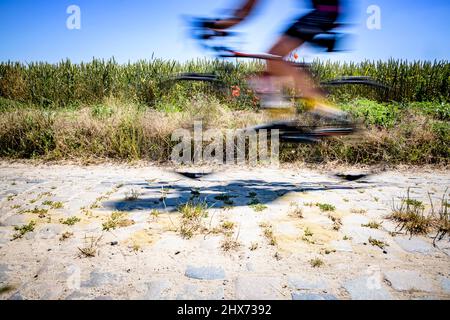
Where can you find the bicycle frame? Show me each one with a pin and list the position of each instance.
(204, 35)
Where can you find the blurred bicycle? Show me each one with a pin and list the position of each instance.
(284, 82)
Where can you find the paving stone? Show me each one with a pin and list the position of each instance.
(49, 231)
(14, 220)
(300, 283)
(415, 245)
(30, 235)
(405, 280)
(121, 234)
(258, 288)
(205, 273)
(445, 283)
(363, 288)
(355, 219)
(250, 267)
(361, 235)
(5, 237)
(140, 217)
(211, 244)
(17, 297)
(194, 292)
(41, 290)
(98, 279)
(76, 295)
(320, 220)
(342, 246)
(90, 228)
(313, 296)
(426, 298)
(444, 245)
(389, 226)
(104, 298)
(287, 229)
(4, 268)
(155, 290)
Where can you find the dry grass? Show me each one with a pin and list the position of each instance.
(132, 195)
(411, 217)
(295, 210)
(120, 130)
(228, 225)
(91, 247)
(316, 263)
(66, 235)
(268, 233)
(337, 221)
(230, 244)
(442, 217)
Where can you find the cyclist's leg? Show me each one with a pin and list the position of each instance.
(305, 29)
(303, 82)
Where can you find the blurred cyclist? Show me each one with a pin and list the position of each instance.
(320, 20)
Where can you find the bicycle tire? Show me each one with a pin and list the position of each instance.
(355, 80)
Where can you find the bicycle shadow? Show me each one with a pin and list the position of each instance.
(238, 193)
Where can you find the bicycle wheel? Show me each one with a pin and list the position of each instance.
(191, 83)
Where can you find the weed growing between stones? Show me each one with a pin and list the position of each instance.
(372, 225)
(132, 195)
(325, 207)
(6, 289)
(316, 263)
(442, 222)
(268, 233)
(192, 215)
(70, 221)
(295, 211)
(410, 216)
(53, 205)
(91, 247)
(117, 220)
(23, 230)
(378, 243)
(258, 207)
(337, 222)
(307, 236)
(66, 235)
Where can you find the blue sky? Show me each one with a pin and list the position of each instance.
(35, 30)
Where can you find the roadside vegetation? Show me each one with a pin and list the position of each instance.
(103, 110)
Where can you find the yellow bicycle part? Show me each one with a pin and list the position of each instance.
(281, 113)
